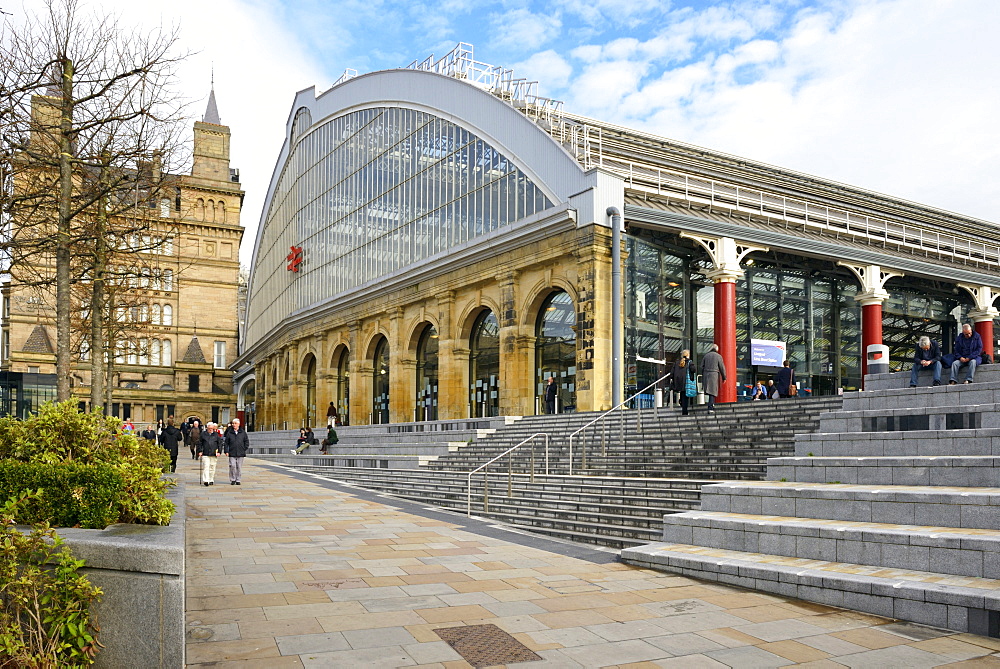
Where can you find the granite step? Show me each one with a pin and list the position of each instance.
(905, 419)
(901, 379)
(930, 470)
(962, 603)
(980, 441)
(943, 550)
(958, 507)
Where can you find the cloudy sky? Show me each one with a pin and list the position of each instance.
(896, 96)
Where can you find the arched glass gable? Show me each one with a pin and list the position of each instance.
(373, 191)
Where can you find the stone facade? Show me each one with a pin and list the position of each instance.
(512, 285)
(188, 305)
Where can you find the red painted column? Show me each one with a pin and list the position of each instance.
(985, 329)
(725, 336)
(871, 330)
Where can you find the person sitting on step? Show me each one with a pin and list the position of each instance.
(303, 442)
(968, 350)
(926, 355)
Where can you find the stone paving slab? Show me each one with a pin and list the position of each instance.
(289, 570)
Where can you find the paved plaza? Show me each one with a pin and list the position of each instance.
(290, 570)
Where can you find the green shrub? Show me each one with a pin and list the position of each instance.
(59, 435)
(69, 494)
(45, 618)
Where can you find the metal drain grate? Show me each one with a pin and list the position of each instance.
(486, 645)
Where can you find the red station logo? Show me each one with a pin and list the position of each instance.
(294, 259)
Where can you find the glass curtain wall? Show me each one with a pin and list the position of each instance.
(484, 366)
(427, 375)
(807, 303)
(344, 387)
(657, 314)
(380, 383)
(370, 192)
(555, 349)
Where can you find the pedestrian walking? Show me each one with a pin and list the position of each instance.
(784, 379)
(193, 437)
(149, 434)
(551, 390)
(237, 443)
(332, 417)
(210, 446)
(713, 374)
(682, 378)
(170, 439)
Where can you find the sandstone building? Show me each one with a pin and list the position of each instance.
(180, 309)
(437, 241)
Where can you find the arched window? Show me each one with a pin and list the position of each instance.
(344, 386)
(310, 373)
(157, 315)
(222, 211)
(144, 280)
(165, 207)
(427, 375)
(143, 313)
(168, 279)
(211, 210)
(154, 353)
(555, 348)
(133, 353)
(167, 353)
(168, 314)
(199, 209)
(380, 382)
(143, 351)
(484, 366)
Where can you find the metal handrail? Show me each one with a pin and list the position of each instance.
(602, 416)
(510, 471)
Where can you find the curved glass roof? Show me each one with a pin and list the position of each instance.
(371, 192)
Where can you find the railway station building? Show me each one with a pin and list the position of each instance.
(438, 240)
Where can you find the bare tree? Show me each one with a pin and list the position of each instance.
(90, 129)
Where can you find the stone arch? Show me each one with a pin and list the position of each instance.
(304, 354)
(371, 342)
(469, 314)
(199, 209)
(338, 350)
(540, 292)
(417, 329)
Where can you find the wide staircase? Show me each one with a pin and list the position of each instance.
(891, 508)
(629, 470)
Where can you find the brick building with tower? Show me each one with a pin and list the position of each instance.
(181, 307)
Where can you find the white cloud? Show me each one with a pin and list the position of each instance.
(894, 96)
(551, 70)
(521, 30)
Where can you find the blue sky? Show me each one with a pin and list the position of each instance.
(896, 96)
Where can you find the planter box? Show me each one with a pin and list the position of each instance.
(140, 568)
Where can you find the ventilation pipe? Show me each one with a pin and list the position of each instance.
(616, 305)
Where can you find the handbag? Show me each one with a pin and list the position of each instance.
(690, 387)
(793, 390)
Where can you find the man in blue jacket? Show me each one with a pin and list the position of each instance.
(927, 354)
(968, 351)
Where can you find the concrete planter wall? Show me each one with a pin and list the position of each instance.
(140, 568)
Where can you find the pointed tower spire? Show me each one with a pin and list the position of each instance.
(212, 112)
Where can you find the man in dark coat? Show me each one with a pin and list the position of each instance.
(550, 395)
(713, 374)
(170, 439)
(927, 354)
(784, 379)
(236, 447)
(210, 446)
(968, 351)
